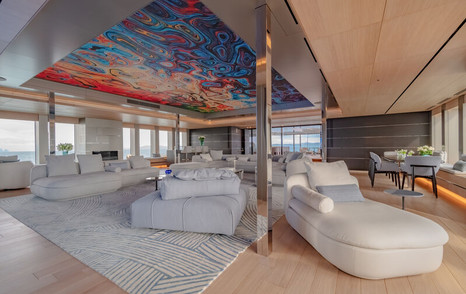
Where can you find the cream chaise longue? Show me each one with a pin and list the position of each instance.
(364, 238)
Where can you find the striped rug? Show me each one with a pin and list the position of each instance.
(97, 231)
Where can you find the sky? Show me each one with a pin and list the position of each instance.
(18, 135)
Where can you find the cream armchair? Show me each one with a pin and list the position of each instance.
(15, 175)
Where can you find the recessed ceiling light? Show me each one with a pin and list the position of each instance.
(2, 79)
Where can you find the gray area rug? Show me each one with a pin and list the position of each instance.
(97, 231)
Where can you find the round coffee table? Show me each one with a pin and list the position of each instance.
(156, 179)
(403, 194)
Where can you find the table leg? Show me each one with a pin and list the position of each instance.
(403, 202)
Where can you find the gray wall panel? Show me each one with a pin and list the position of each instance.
(351, 139)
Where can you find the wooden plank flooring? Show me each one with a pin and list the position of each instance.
(31, 264)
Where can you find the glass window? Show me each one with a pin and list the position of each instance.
(277, 141)
(288, 139)
(144, 143)
(17, 138)
(163, 142)
(310, 139)
(64, 133)
(126, 142)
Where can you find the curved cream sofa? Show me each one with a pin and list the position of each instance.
(366, 239)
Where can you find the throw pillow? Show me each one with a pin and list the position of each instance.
(342, 193)
(243, 158)
(91, 163)
(289, 156)
(216, 154)
(138, 162)
(206, 157)
(324, 173)
(61, 165)
(11, 158)
(281, 159)
(230, 158)
(124, 164)
(312, 198)
(253, 158)
(463, 157)
(460, 165)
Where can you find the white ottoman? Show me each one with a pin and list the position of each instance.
(208, 214)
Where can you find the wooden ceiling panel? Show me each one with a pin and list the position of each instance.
(321, 18)
(396, 8)
(355, 48)
(385, 85)
(355, 94)
(392, 41)
(444, 77)
(420, 33)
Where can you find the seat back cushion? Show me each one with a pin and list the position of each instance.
(206, 157)
(61, 165)
(216, 154)
(202, 174)
(122, 164)
(138, 162)
(91, 163)
(325, 174)
(312, 198)
(10, 158)
(342, 193)
(460, 165)
(174, 188)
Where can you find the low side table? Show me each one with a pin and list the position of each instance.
(156, 179)
(403, 194)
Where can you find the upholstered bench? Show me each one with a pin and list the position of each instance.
(202, 205)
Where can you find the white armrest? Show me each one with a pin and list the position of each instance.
(114, 169)
(37, 172)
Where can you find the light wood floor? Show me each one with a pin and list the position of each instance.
(29, 263)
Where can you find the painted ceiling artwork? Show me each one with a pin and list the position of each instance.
(173, 52)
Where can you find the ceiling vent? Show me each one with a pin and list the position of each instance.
(143, 103)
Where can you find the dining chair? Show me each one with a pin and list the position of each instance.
(187, 150)
(421, 167)
(377, 165)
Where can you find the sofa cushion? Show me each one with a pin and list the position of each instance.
(312, 198)
(281, 159)
(206, 157)
(203, 174)
(90, 163)
(123, 164)
(253, 158)
(460, 165)
(342, 193)
(324, 173)
(243, 158)
(61, 165)
(216, 154)
(138, 162)
(10, 158)
(174, 188)
(230, 158)
(463, 157)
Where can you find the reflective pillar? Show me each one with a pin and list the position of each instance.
(325, 93)
(263, 125)
(177, 138)
(52, 122)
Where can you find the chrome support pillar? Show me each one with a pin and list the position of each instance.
(263, 131)
(52, 123)
(460, 125)
(325, 93)
(177, 139)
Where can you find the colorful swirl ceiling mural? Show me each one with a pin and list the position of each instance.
(173, 52)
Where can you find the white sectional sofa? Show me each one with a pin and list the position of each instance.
(63, 179)
(364, 238)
